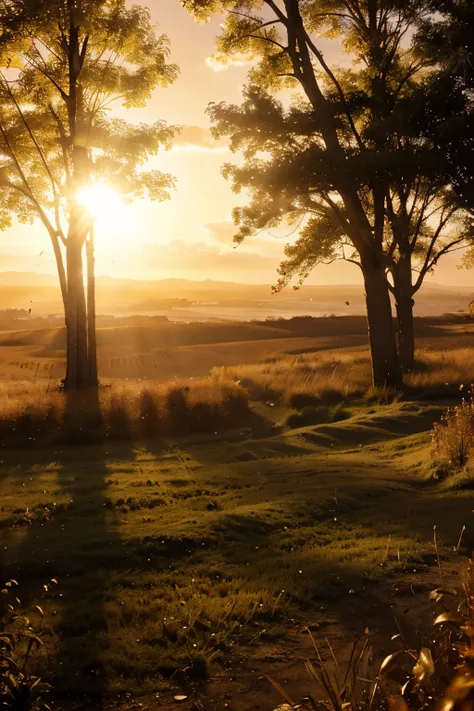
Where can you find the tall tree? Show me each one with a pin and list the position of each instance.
(445, 40)
(286, 172)
(65, 62)
(343, 145)
(425, 224)
(350, 163)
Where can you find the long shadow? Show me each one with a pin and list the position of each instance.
(261, 545)
(75, 542)
(83, 480)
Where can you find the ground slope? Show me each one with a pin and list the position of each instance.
(212, 555)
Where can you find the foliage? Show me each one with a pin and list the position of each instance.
(379, 108)
(444, 40)
(311, 415)
(57, 139)
(122, 61)
(22, 635)
(438, 674)
(453, 437)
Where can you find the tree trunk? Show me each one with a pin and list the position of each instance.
(404, 305)
(77, 368)
(91, 325)
(406, 335)
(385, 363)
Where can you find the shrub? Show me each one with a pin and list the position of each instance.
(309, 415)
(381, 396)
(340, 413)
(325, 396)
(300, 400)
(453, 437)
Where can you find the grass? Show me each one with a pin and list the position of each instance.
(324, 378)
(189, 532)
(32, 414)
(188, 554)
(307, 389)
(311, 415)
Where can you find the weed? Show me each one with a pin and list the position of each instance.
(309, 415)
(453, 437)
(381, 396)
(22, 635)
(437, 675)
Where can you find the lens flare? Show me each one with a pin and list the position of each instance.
(101, 201)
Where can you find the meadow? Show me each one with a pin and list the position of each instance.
(195, 528)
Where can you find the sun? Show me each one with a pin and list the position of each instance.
(114, 219)
(101, 201)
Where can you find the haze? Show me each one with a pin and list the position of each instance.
(189, 236)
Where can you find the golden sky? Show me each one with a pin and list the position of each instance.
(190, 235)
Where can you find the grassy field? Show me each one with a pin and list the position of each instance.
(170, 351)
(199, 560)
(206, 555)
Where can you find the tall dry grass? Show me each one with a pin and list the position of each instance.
(453, 437)
(33, 414)
(335, 376)
(326, 376)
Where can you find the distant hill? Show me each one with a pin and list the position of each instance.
(215, 299)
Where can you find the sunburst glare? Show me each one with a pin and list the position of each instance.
(101, 200)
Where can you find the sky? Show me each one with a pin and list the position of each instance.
(189, 236)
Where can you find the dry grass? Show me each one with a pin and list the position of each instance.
(31, 413)
(453, 437)
(328, 377)
(442, 369)
(34, 412)
(438, 673)
(335, 376)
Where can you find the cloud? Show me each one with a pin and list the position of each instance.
(221, 64)
(198, 260)
(198, 139)
(265, 243)
(221, 232)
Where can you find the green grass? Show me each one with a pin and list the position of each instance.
(185, 555)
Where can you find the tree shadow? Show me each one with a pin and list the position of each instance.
(78, 544)
(83, 626)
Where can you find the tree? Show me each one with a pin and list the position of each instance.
(348, 159)
(445, 40)
(65, 62)
(338, 157)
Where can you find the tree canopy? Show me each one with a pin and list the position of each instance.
(65, 62)
(355, 156)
